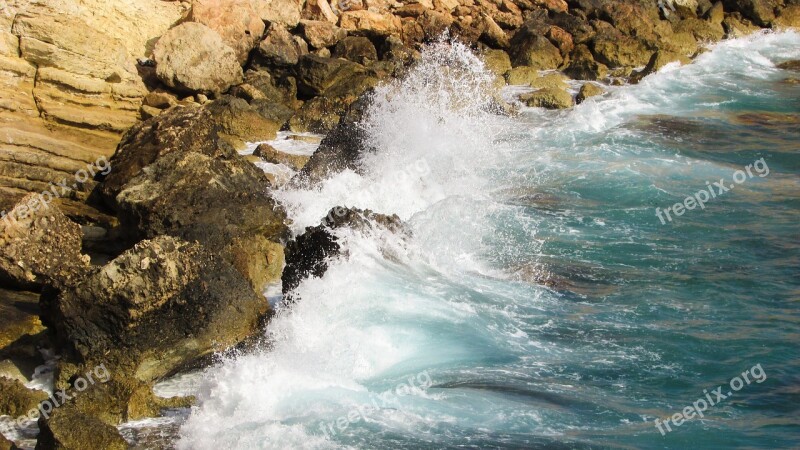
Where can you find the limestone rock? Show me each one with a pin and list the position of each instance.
(761, 12)
(789, 17)
(66, 430)
(553, 80)
(236, 21)
(274, 156)
(318, 115)
(319, 10)
(193, 58)
(370, 23)
(281, 12)
(239, 122)
(497, 61)
(522, 75)
(584, 67)
(16, 400)
(39, 245)
(530, 48)
(316, 75)
(660, 59)
(280, 48)
(357, 49)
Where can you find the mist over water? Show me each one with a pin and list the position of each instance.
(539, 294)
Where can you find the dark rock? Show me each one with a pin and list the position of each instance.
(584, 67)
(68, 430)
(550, 98)
(761, 12)
(529, 47)
(239, 122)
(308, 254)
(588, 90)
(16, 400)
(155, 309)
(357, 49)
(790, 65)
(317, 75)
(318, 115)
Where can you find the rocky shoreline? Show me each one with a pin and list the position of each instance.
(137, 239)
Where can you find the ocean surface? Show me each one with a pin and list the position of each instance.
(540, 301)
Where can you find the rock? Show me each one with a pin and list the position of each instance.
(553, 80)
(761, 12)
(659, 60)
(620, 51)
(156, 308)
(67, 430)
(737, 26)
(240, 123)
(40, 246)
(789, 17)
(234, 20)
(497, 61)
(5, 444)
(550, 98)
(316, 75)
(716, 14)
(370, 23)
(584, 67)
(16, 400)
(357, 49)
(321, 34)
(274, 156)
(69, 84)
(530, 48)
(280, 48)
(280, 12)
(789, 65)
(319, 10)
(522, 75)
(308, 254)
(318, 115)
(588, 90)
(492, 33)
(160, 99)
(341, 149)
(176, 176)
(20, 332)
(193, 58)
(702, 30)
(553, 5)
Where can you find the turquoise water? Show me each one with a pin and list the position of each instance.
(541, 303)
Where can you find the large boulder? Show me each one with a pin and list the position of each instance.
(357, 49)
(370, 23)
(583, 66)
(39, 245)
(530, 48)
(239, 122)
(280, 12)
(280, 48)
(588, 90)
(16, 400)
(234, 20)
(549, 97)
(68, 430)
(194, 58)
(175, 175)
(155, 309)
(761, 12)
(321, 33)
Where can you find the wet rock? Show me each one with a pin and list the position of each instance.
(657, 62)
(155, 309)
(5, 444)
(530, 48)
(761, 12)
(274, 156)
(588, 90)
(39, 245)
(789, 17)
(317, 75)
(280, 48)
(553, 80)
(736, 26)
(584, 67)
(308, 254)
(789, 65)
(357, 49)
(321, 33)
(234, 20)
(21, 334)
(67, 430)
(702, 30)
(318, 115)
(550, 98)
(522, 75)
(615, 49)
(193, 58)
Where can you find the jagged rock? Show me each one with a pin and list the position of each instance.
(308, 254)
(173, 175)
(39, 245)
(702, 30)
(319, 10)
(790, 65)
(156, 308)
(497, 61)
(357, 49)
(69, 430)
(530, 48)
(5, 444)
(588, 90)
(737, 26)
(274, 156)
(317, 75)
(280, 48)
(281, 12)
(616, 49)
(234, 20)
(340, 149)
(193, 58)
(321, 34)
(789, 17)
(550, 98)
(318, 115)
